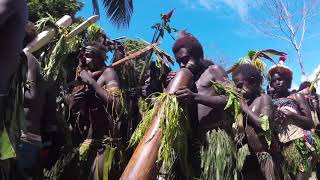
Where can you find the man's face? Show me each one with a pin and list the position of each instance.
(185, 60)
(279, 83)
(92, 60)
(247, 86)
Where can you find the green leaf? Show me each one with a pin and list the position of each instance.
(264, 122)
(265, 125)
(6, 149)
(230, 101)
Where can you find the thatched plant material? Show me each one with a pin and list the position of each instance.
(58, 55)
(233, 103)
(174, 127)
(220, 158)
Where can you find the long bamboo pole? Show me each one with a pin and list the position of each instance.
(143, 163)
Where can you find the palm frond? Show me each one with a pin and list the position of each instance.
(119, 11)
(95, 7)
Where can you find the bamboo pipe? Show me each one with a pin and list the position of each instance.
(143, 163)
(83, 26)
(46, 36)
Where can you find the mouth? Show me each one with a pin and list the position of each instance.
(191, 67)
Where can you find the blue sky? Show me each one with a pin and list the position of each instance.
(219, 25)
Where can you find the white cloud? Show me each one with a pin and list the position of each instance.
(240, 6)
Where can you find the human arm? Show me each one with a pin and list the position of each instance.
(33, 78)
(260, 106)
(211, 74)
(109, 79)
(187, 96)
(303, 120)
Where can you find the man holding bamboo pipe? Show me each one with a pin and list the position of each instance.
(202, 98)
(189, 54)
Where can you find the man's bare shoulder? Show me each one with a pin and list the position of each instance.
(264, 98)
(109, 77)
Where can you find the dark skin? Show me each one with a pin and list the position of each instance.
(210, 105)
(34, 96)
(13, 18)
(281, 86)
(253, 105)
(109, 80)
(313, 100)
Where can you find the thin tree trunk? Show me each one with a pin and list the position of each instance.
(300, 62)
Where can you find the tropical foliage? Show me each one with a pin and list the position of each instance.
(174, 129)
(254, 58)
(119, 11)
(220, 159)
(57, 8)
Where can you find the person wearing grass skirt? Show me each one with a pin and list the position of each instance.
(258, 111)
(292, 119)
(96, 122)
(204, 106)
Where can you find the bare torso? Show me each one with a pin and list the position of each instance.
(209, 117)
(35, 96)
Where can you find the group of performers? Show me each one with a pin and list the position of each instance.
(279, 126)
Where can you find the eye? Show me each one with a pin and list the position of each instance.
(239, 85)
(88, 55)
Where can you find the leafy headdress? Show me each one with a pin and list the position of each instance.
(280, 68)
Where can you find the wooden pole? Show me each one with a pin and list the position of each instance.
(143, 163)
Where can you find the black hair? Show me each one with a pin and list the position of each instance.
(31, 33)
(189, 42)
(304, 85)
(248, 71)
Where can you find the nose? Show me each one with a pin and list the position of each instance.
(240, 85)
(88, 60)
(278, 83)
(182, 65)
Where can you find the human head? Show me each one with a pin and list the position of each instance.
(248, 80)
(280, 78)
(306, 84)
(281, 83)
(93, 56)
(31, 33)
(188, 51)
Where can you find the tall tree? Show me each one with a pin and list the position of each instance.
(56, 8)
(119, 11)
(287, 20)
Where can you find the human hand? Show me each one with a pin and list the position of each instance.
(288, 114)
(185, 95)
(85, 76)
(170, 76)
(243, 105)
